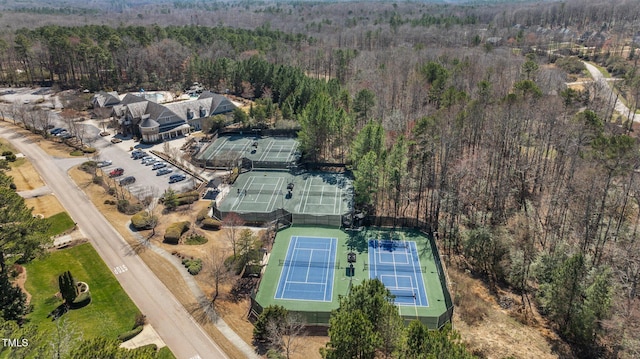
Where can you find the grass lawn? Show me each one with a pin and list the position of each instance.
(165, 353)
(60, 223)
(110, 312)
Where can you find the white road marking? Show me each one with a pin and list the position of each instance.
(120, 269)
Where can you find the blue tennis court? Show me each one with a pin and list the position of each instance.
(308, 269)
(397, 265)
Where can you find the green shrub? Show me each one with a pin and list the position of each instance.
(77, 153)
(89, 150)
(130, 334)
(142, 220)
(141, 320)
(11, 158)
(210, 223)
(7, 153)
(124, 206)
(194, 266)
(196, 239)
(89, 166)
(174, 232)
(99, 180)
(204, 213)
(152, 347)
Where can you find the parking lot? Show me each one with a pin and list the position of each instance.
(147, 182)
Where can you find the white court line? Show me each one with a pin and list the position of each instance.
(415, 275)
(274, 195)
(286, 279)
(306, 278)
(327, 279)
(217, 150)
(240, 199)
(265, 151)
(291, 151)
(305, 192)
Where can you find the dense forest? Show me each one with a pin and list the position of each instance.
(457, 116)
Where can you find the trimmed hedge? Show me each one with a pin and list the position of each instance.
(195, 239)
(204, 213)
(210, 223)
(130, 334)
(187, 198)
(141, 220)
(174, 232)
(89, 150)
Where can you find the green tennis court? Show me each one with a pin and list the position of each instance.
(310, 297)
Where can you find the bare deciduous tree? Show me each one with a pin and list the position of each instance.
(232, 222)
(218, 271)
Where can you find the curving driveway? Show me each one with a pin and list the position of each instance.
(176, 327)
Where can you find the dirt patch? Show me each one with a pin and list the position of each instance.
(497, 334)
(20, 280)
(45, 205)
(25, 177)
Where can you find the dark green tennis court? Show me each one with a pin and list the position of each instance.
(310, 193)
(254, 148)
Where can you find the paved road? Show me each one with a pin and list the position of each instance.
(608, 94)
(173, 323)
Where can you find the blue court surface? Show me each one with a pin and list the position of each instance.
(397, 265)
(308, 269)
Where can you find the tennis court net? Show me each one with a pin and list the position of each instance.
(297, 263)
(397, 268)
(403, 293)
(269, 189)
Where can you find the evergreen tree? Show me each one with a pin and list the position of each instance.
(68, 287)
(12, 300)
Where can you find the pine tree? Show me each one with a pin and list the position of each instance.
(12, 300)
(68, 287)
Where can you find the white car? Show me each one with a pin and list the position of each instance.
(104, 163)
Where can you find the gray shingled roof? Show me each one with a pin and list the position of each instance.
(149, 123)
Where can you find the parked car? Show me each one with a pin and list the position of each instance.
(127, 180)
(104, 133)
(147, 159)
(65, 135)
(158, 165)
(177, 178)
(138, 154)
(151, 162)
(104, 163)
(56, 130)
(163, 171)
(116, 172)
(116, 140)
